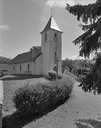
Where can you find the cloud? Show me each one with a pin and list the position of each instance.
(59, 3)
(4, 27)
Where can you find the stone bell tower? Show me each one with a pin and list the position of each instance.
(51, 42)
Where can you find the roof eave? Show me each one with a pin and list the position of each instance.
(53, 29)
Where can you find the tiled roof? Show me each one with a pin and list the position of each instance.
(52, 25)
(32, 55)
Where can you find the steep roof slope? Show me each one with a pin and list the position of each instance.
(52, 25)
(28, 56)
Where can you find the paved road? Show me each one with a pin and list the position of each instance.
(80, 106)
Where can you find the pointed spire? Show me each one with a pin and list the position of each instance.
(52, 25)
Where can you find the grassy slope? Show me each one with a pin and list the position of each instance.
(15, 118)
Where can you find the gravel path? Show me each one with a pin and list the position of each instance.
(80, 106)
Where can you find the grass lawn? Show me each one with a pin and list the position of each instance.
(51, 94)
(10, 86)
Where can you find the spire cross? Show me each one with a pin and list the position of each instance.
(51, 11)
(51, 8)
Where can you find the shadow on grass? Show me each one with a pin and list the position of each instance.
(19, 119)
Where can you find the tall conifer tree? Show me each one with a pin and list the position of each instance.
(89, 41)
(90, 16)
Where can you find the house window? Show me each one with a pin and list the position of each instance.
(28, 67)
(20, 67)
(45, 36)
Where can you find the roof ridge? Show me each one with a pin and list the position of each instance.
(27, 56)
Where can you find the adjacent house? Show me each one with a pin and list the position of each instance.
(4, 65)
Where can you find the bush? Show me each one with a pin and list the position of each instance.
(92, 81)
(32, 102)
(52, 75)
(39, 100)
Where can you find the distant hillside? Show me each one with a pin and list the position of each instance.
(4, 60)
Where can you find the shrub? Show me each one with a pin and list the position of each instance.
(52, 75)
(92, 81)
(32, 102)
(40, 99)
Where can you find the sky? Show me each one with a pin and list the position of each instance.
(21, 22)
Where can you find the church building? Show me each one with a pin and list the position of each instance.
(39, 60)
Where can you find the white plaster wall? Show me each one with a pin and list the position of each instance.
(55, 46)
(45, 53)
(24, 68)
(49, 48)
(37, 66)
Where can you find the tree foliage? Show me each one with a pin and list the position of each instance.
(77, 67)
(92, 81)
(90, 16)
(89, 41)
